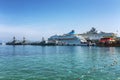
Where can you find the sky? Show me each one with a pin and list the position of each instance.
(35, 19)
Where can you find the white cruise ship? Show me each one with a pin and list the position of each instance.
(67, 39)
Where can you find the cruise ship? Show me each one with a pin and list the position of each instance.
(68, 39)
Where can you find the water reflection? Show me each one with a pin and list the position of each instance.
(14, 51)
(18, 50)
(112, 50)
(43, 50)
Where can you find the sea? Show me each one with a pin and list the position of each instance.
(59, 63)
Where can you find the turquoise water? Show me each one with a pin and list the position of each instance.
(59, 63)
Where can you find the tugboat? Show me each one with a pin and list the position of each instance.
(14, 42)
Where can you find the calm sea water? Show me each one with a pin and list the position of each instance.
(59, 63)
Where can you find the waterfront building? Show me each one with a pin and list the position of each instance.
(67, 39)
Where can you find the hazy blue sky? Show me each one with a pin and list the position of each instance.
(36, 18)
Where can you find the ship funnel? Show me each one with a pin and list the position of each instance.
(72, 32)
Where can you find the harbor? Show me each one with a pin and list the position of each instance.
(90, 38)
(70, 56)
(59, 39)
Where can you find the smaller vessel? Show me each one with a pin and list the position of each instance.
(14, 42)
